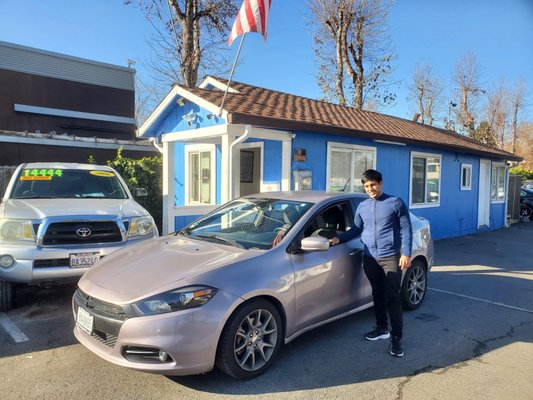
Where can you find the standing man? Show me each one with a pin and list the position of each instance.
(385, 227)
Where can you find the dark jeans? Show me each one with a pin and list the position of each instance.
(385, 277)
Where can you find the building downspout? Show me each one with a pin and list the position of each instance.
(157, 145)
(237, 141)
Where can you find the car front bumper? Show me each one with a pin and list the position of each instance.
(49, 264)
(189, 337)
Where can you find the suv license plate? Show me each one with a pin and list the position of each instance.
(85, 320)
(84, 260)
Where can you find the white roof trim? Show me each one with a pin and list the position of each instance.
(217, 131)
(157, 111)
(58, 112)
(216, 83)
(182, 92)
(196, 134)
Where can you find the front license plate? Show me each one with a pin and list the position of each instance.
(84, 260)
(85, 320)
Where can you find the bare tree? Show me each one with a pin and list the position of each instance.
(426, 91)
(525, 144)
(146, 98)
(189, 35)
(517, 101)
(353, 50)
(467, 80)
(498, 112)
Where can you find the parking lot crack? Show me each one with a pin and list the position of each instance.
(477, 352)
(482, 345)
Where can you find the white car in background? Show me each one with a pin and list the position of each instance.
(58, 219)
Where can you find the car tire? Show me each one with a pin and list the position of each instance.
(7, 295)
(414, 285)
(250, 340)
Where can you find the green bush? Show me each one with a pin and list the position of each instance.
(142, 173)
(525, 173)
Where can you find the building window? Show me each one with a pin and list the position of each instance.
(425, 180)
(200, 177)
(497, 185)
(346, 163)
(466, 176)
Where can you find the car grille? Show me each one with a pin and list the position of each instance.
(52, 262)
(100, 307)
(60, 233)
(108, 317)
(104, 338)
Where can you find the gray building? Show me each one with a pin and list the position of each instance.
(55, 107)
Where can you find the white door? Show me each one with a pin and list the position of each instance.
(483, 218)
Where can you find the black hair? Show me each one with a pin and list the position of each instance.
(371, 175)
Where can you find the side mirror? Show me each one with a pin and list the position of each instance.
(315, 243)
(139, 192)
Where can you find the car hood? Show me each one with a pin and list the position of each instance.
(37, 209)
(156, 266)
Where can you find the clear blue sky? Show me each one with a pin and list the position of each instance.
(500, 33)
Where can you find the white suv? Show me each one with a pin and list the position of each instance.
(59, 219)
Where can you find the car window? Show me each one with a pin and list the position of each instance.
(330, 222)
(67, 183)
(249, 222)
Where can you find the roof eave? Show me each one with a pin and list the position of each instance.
(241, 118)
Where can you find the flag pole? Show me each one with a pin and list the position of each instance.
(231, 75)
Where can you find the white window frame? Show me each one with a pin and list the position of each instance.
(466, 185)
(426, 204)
(200, 148)
(349, 148)
(500, 167)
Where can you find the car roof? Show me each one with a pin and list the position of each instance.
(311, 196)
(63, 165)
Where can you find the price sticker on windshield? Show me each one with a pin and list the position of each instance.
(36, 174)
(102, 173)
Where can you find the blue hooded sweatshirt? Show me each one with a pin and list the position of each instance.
(384, 225)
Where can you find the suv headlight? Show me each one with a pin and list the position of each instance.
(142, 226)
(175, 300)
(13, 230)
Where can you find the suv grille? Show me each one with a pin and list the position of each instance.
(59, 233)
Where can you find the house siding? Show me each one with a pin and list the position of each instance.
(457, 212)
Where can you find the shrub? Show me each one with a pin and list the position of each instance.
(146, 173)
(525, 173)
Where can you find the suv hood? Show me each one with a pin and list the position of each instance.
(156, 266)
(37, 209)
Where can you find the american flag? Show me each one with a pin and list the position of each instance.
(252, 17)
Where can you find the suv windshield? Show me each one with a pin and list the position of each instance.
(249, 223)
(67, 183)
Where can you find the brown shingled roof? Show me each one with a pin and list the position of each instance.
(269, 108)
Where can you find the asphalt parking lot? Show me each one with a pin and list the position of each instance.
(471, 339)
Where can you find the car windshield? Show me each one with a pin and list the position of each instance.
(54, 183)
(249, 223)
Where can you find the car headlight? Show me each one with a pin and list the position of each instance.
(175, 300)
(14, 230)
(141, 226)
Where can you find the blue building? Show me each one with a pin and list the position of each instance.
(265, 140)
